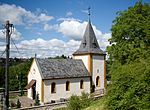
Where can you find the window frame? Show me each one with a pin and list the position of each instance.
(53, 87)
(81, 84)
(67, 86)
(97, 81)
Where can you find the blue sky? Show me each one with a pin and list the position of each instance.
(55, 27)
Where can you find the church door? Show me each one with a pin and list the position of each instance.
(34, 91)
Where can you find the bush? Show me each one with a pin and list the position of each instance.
(18, 104)
(79, 102)
(37, 101)
(74, 103)
(85, 100)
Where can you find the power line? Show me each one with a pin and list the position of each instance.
(15, 45)
(3, 52)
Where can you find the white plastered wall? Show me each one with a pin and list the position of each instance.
(35, 75)
(98, 70)
(61, 88)
(84, 58)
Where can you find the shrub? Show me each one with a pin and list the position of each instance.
(79, 102)
(18, 104)
(37, 101)
(85, 100)
(74, 103)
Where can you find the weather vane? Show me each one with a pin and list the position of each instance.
(89, 13)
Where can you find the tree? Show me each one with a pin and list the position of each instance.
(129, 56)
(130, 34)
(130, 86)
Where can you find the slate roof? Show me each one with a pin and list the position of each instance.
(61, 68)
(89, 43)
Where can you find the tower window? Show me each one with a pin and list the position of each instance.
(53, 87)
(81, 84)
(97, 81)
(67, 86)
(94, 45)
(97, 70)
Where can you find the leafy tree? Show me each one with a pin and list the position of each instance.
(16, 70)
(129, 59)
(130, 86)
(130, 34)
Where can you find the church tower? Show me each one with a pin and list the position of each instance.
(93, 58)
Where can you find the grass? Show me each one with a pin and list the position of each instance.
(98, 104)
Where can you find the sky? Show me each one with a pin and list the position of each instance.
(50, 28)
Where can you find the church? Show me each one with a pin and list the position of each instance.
(58, 79)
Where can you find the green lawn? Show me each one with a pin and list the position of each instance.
(97, 105)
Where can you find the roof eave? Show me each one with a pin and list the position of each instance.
(51, 78)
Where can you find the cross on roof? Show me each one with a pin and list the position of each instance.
(89, 12)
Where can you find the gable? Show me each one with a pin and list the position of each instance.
(34, 70)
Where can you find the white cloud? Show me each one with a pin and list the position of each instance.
(19, 15)
(16, 35)
(75, 29)
(68, 19)
(48, 48)
(49, 27)
(69, 13)
(44, 17)
(44, 48)
(72, 28)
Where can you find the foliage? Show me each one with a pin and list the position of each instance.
(74, 103)
(130, 86)
(37, 101)
(85, 100)
(129, 60)
(77, 103)
(17, 70)
(17, 67)
(18, 104)
(2, 72)
(130, 34)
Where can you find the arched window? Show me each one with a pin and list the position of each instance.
(53, 87)
(67, 86)
(97, 81)
(81, 84)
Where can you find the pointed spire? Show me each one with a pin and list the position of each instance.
(89, 42)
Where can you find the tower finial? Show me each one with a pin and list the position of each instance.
(89, 12)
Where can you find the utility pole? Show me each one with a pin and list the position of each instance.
(9, 29)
